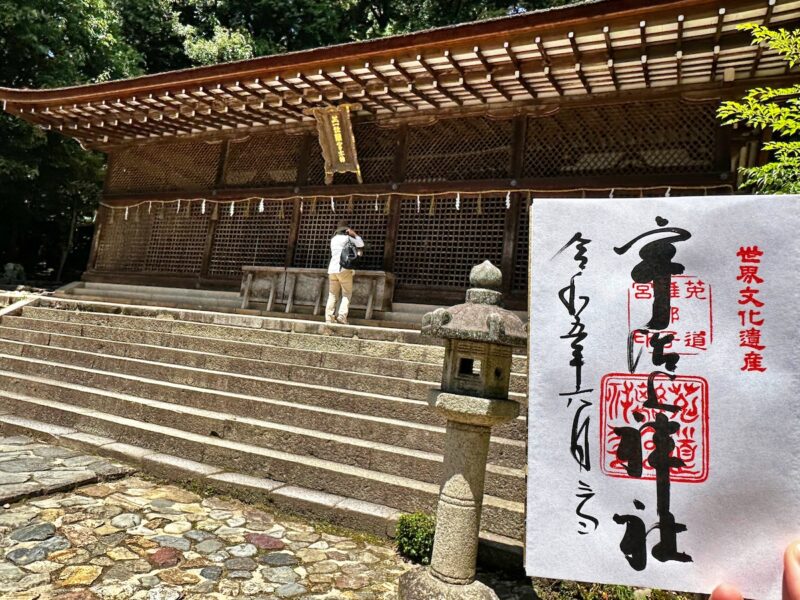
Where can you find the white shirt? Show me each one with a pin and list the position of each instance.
(338, 243)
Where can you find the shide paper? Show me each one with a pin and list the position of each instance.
(663, 391)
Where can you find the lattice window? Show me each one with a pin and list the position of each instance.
(459, 149)
(376, 147)
(664, 136)
(178, 238)
(520, 278)
(263, 160)
(439, 250)
(318, 224)
(162, 167)
(250, 238)
(123, 243)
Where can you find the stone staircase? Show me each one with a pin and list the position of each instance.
(327, 421)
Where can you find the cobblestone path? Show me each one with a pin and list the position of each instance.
(136, 539)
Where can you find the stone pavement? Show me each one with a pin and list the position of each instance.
(136, 539)
(29, 468)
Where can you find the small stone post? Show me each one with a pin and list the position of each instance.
(479, 339)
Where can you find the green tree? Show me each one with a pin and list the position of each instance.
(47, 182)
(776, 110)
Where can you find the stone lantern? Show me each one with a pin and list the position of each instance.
(479, 338)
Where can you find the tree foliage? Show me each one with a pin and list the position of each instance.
(776, 110)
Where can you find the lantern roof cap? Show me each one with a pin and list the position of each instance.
(480, 318)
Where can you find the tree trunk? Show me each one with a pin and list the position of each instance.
(70, 239)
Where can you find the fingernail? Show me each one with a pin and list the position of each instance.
(796, 553)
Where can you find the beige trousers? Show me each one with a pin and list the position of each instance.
(339, 283)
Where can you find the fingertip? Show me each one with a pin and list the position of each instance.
(791, 572)
(726, 591)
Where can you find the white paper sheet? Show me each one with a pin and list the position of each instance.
(738, 491)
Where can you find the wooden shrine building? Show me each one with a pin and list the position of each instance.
(216, 168)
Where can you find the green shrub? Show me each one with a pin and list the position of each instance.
(415, 537)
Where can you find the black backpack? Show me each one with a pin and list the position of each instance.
(349, 258)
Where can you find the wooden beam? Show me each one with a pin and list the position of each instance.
(410, 79)
(389, 91)
(488, 68)
(460, 70)
(269, 97)
(365, 99)
(518, 71)
(441, 88)
(356, 79)
(264, 110)
(511, 229)
(760, 50)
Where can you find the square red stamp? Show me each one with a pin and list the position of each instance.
(622, 399)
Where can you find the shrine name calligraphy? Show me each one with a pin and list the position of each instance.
(649, 411)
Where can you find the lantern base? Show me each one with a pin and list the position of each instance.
(421, 585)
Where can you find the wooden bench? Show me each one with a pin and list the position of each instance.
(295, 286)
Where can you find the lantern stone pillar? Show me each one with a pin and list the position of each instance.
(479, 338)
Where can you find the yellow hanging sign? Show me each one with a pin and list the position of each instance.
(337, 140)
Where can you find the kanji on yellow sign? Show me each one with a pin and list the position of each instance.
(337, 141)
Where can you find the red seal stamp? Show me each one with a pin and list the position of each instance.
(622, 411)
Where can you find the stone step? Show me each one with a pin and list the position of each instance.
(402, 422)
(367, 342)
(503, 482)
(364, 516)
(377, 331)
(274, 368)
(500, 516)
(309, 335)
(155, 289)
(271, 322)
(228, 300)
(232, 348)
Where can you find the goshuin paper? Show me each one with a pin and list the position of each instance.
(663, 416)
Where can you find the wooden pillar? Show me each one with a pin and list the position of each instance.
(219, 181)
(393, 222)
(207, 250)
(294, 230)
(306, 148)
(513, 212)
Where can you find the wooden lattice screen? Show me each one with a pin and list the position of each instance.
(263, 160)
(162, 167)
(439, 250)
(376, 147)
(250, 237)
(663, 136)
(519, 281)
(123, 244)
(317, 224)
(460, 149)
(177, 239)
